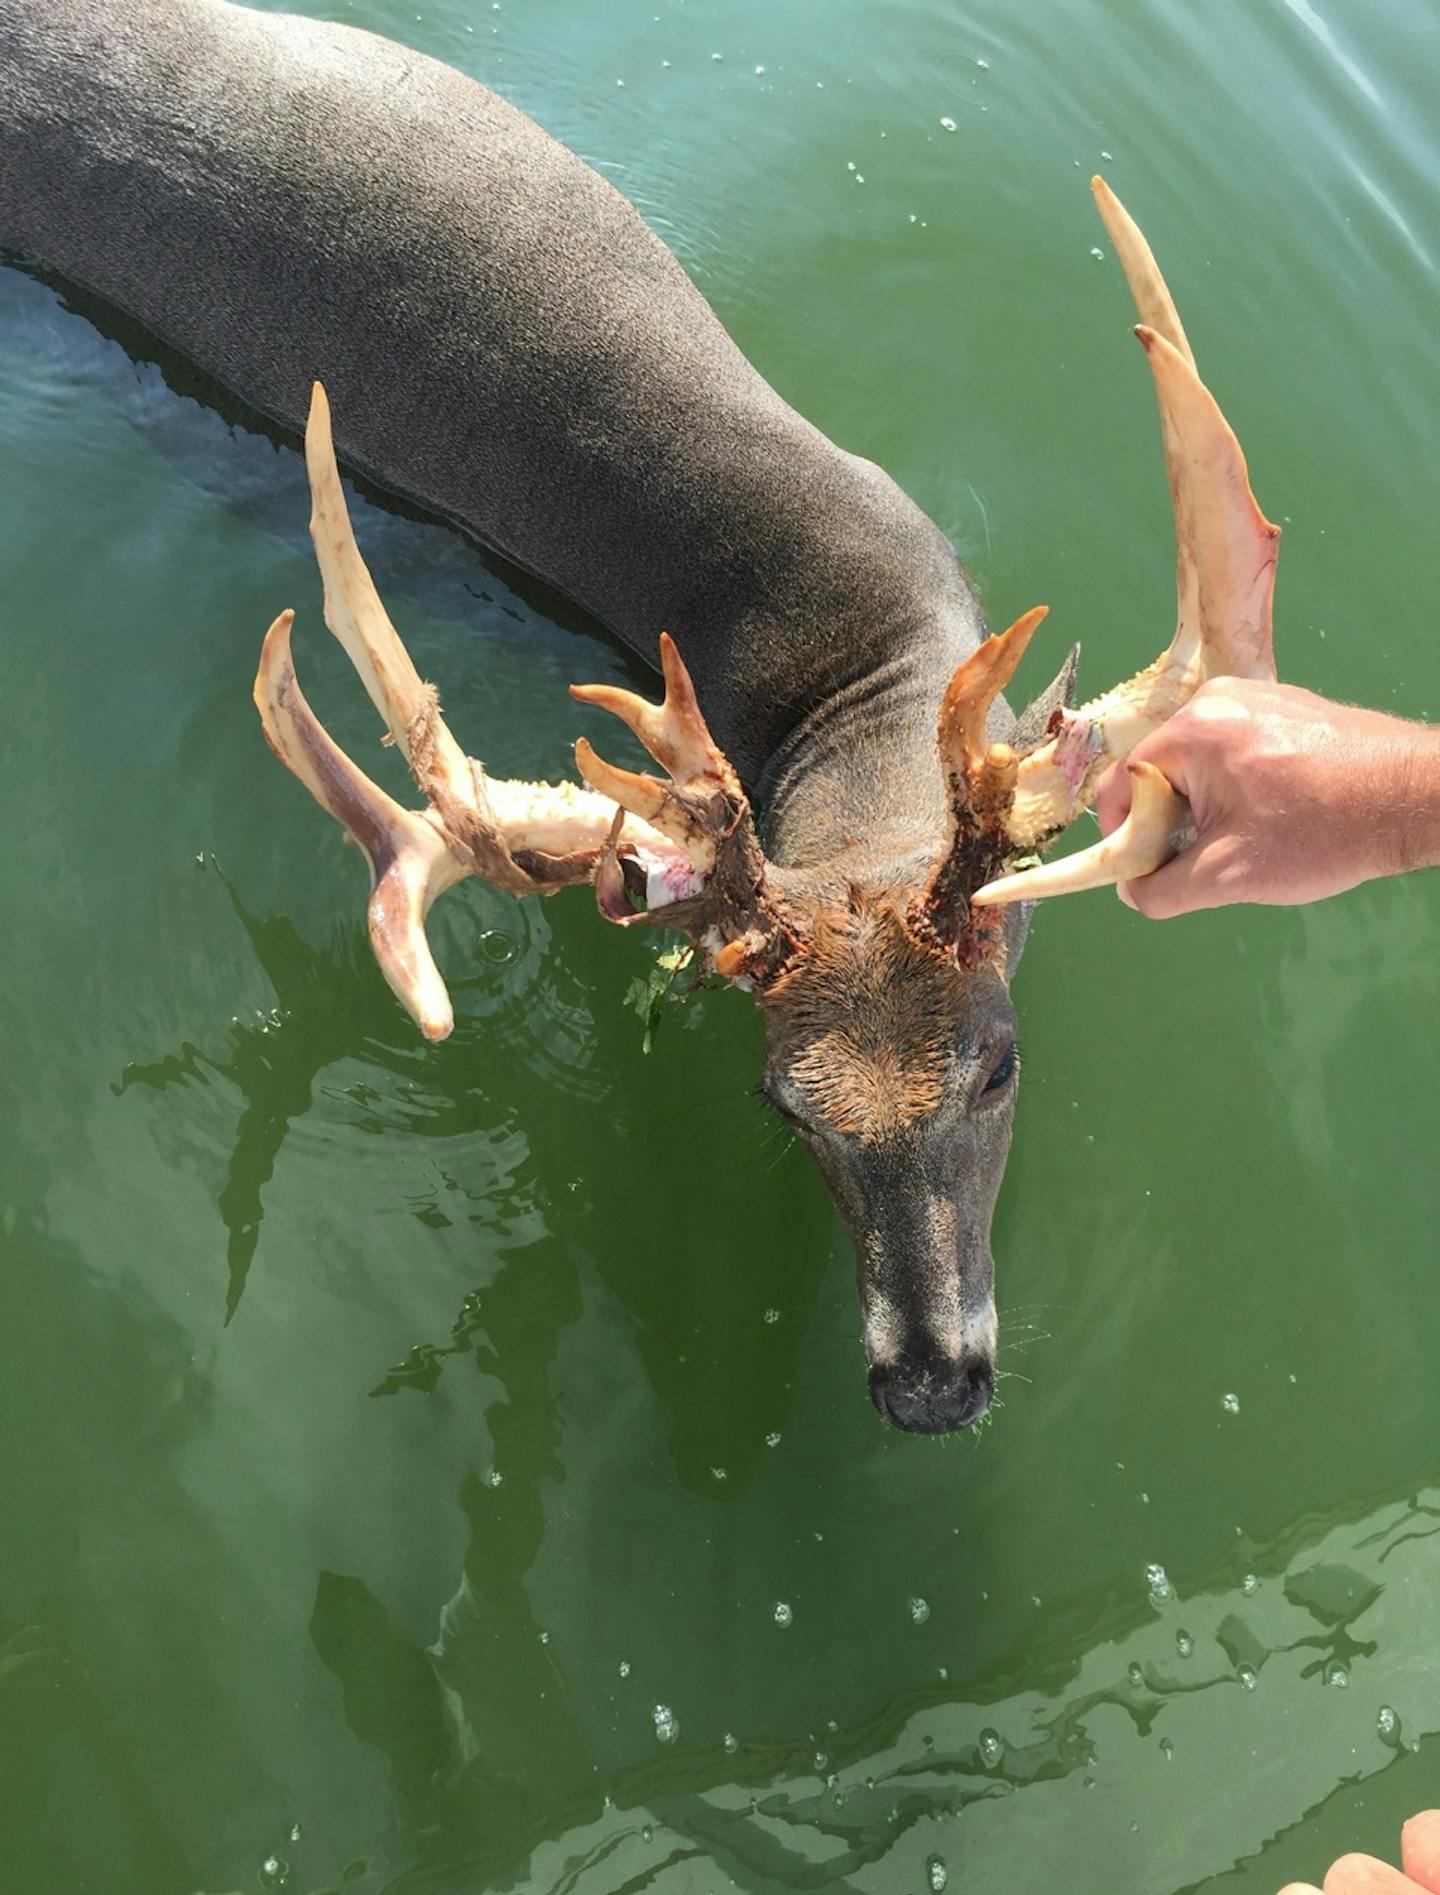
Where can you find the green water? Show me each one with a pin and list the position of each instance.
(541, 1383)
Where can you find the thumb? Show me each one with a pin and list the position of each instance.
(1196, 878)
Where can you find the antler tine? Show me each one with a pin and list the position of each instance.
(676, 735)
(1226, 550)
(724, 896)
(1225, 568)
(1224, 591)
(1153, 303)
(648, 798)
(673, 731)
(355, 614)
(1157, 827)
(410, 861)
(972, 690)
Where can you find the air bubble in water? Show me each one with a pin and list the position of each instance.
(1248, 1677)
(1158, 1580)
(991, 1746)
(1135, 1674)
(294, 1832)
(1097, 253)
(667, 1725)
(1336, 1674)
(936, 1873)
(731, 1742)
(494, 944)
(494, 1477)
(1167, 1750)
(1387, 1724)
(772, 1440)
(1250, 1585)
(919, 1611)
(948, 125)
(624, 1667)
(647, 1834)
(1231, 1404)
(784, 1614)
(1184, 1644)
(274, 1872)
(772, 1315)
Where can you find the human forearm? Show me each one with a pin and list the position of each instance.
(1417, 800)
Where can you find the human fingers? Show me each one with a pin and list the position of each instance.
(1420, 1850)
(1202, 876)
(1364, 1875)
(1112, 797)
(1301, 1888)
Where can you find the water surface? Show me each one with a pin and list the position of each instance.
(390, 1430)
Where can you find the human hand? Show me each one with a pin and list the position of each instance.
(1294, 797)
(1363, 1875)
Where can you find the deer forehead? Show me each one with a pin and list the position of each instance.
(867, 1026)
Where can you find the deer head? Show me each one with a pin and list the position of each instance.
(890, 1035)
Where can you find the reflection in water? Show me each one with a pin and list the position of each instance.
(275, 1070)
(318, 1020)
(1130, 1710)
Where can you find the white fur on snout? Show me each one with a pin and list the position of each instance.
(884, 1329)
(955, 1321)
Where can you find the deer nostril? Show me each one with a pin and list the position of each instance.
(926, 1396)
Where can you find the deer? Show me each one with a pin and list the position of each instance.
(845, 813)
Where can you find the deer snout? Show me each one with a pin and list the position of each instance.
(932, 1393)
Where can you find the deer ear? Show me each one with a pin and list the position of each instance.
(1059, 694)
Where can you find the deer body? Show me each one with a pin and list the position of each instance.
(505, 342)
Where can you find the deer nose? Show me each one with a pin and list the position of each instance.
(932, 1395)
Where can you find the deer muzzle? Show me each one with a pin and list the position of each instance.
(927, 1296)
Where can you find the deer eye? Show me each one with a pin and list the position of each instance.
(1004, 1069)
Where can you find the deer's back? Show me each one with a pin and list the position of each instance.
(502, 337)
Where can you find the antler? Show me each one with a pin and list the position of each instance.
(722, 893)
(1225, 579)
(530, 838)
(980, 779)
